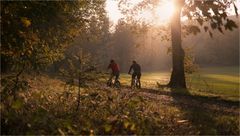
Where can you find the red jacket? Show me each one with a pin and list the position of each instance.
(114, 67)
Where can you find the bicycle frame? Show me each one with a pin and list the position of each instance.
(113, 83)
(135, 83)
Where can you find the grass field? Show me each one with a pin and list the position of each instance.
(213, 81)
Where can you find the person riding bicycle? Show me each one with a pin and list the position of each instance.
(136, 72)
(115, 70)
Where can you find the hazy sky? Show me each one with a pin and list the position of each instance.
(165, 10)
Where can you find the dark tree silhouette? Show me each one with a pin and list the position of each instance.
(36, 33)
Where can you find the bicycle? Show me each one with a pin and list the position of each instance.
(135, 83)
(113, 83)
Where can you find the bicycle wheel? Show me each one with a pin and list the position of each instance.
(109, 83)
(138, 84)
(117, 84)
(133, 86)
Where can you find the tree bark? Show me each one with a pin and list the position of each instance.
(177, 79)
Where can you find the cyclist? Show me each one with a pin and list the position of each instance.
(115, 70)
(136, 72)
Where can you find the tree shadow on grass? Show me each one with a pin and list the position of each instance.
(203, 112)
(201, 119)
(187, 95)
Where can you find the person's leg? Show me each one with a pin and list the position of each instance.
(139, 77)
(133, 78)
(116, 76)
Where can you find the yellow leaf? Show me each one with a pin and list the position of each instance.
(182, 121)
(108, 128)
(133, 127)
(61, 132)
(17, 104)
(126, 124)
(25, 21)
(29, 52)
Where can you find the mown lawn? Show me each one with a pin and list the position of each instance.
(212, 81)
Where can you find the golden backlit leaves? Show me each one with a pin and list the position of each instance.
(30, 43)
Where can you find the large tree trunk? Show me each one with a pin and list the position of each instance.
(177, 77)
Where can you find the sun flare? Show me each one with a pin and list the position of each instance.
(164, 11)
(161, 14)
(113, 11)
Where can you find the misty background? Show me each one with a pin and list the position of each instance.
(150, 47)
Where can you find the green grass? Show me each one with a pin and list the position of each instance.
(212, 81)
(219, 81)
(148, 79)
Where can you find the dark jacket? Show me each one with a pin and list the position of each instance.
(136, 68)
